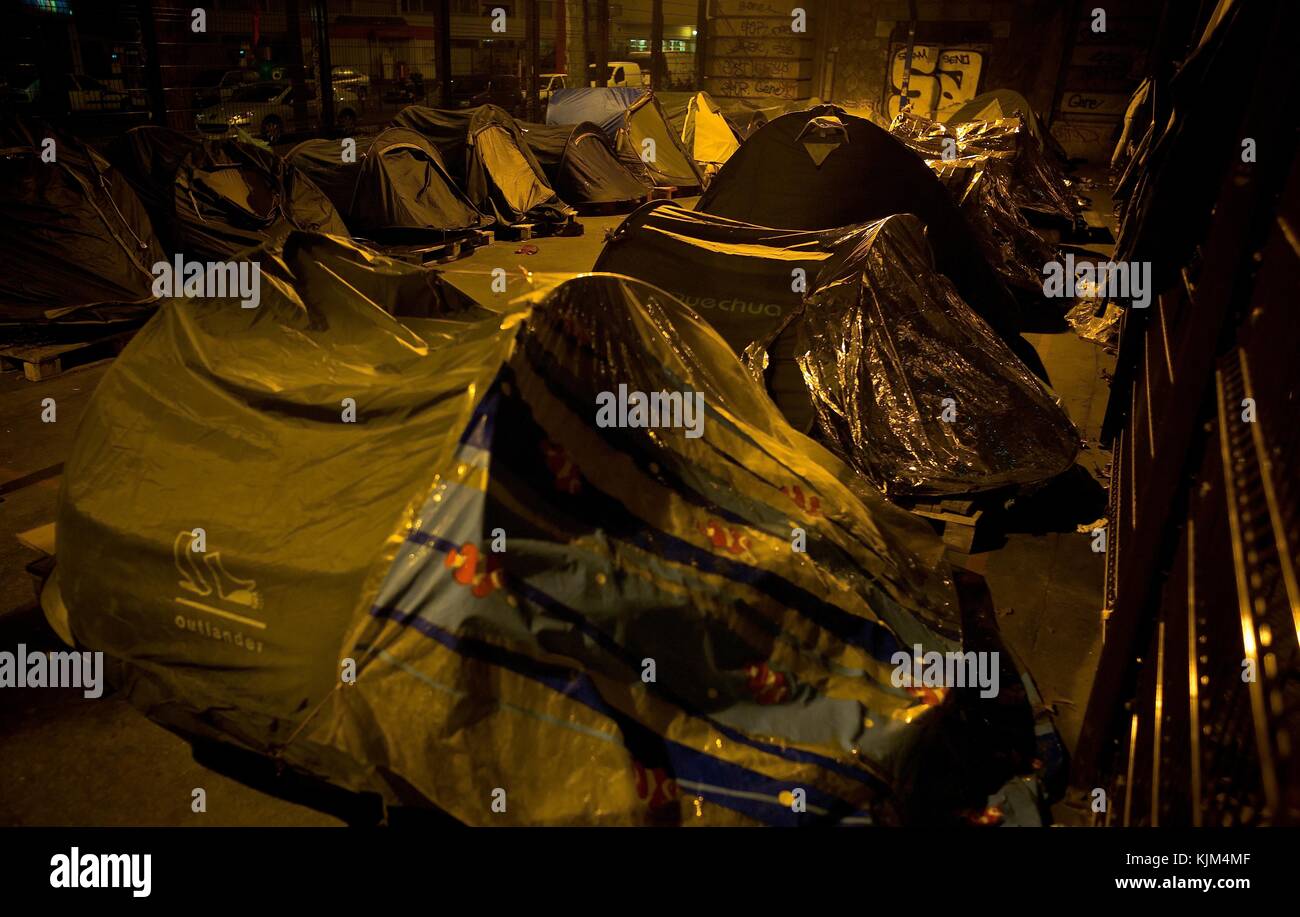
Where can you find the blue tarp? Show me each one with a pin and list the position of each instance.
(603, 105)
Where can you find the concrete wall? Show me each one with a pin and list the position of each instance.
(1018, 42)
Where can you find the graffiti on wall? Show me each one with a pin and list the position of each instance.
(941, 81)
(755, 52)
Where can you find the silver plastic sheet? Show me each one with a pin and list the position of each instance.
(1004, 146)
(911, 386)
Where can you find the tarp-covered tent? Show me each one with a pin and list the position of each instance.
(888, 347)
(486, 152)
(823, 168)
(499, 565)
(873, 347)
(996, 187)
(149, 157)
(1004, 146)
(1011, 244)
(747, 115)
(224, 195)
(635, 123)
(739, 277)
(398, 189)
(705, 132)
(77, 243)
(1007, 103)
(581, 164)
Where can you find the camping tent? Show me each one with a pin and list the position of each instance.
(635, 123)
(218, 197)
(485, 151)
(747, 115)
(912, 386)
(824, 168)
(1004, 146)
(581, 164)
(873, 347)
(705, 132)
(1011, 244)
(491, 566)
(1007, 103)
(397, 191)
(739, 277)
(78, 245)
(149, 158)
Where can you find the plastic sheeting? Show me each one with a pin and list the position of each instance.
(1007, 103)
(77, 244)
(486, 152)
(372, 541)
(224, 196)
(743, 279)
(872, 348)
(398, 190)
(1004, 146)
(864, 174)
(912, 386)
(149, 157)
(636, 125)
(1014, 247)
(581, 164)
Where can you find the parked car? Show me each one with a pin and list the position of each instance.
(214, 87)
(499, 89)
(350, 79)
(620, 73)
(266, 108)
(548, 83)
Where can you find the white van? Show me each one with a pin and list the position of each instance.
(620, 73)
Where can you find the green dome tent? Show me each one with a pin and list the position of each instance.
(487, 154)
(581, 164)
(398, 190)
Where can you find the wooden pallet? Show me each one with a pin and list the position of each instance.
(43, 361)
(522, 232)
(41, 540)
(959, 518)
(519, 232)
